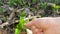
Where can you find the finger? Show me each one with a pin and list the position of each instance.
(40, 30)
(30, 24)
(40, 33)
(34, 30)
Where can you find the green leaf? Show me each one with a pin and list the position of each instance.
(1, 3)
(43, 5)
(1, 10)
(4, 18)
(11, 3)
(21, 24)
(23, 13)
(17, 31)
(56, 7)
(33, 1)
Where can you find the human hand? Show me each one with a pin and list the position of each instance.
(45, 25)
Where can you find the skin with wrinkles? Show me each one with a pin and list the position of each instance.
(46, 25)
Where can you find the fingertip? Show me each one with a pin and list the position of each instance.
(31, 23)
(40, 33)
(28, 25)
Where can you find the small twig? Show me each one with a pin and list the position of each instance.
(7, 23)
(51, 4)
(12, 14)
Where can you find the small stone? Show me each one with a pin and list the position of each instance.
(27, 11)
(0, 21)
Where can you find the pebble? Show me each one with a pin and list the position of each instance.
(0, 21)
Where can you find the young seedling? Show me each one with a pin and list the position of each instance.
(20, 27)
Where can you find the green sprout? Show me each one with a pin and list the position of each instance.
(20, 27)
(18, 2)
(43, 5)
(14, 2)
(2, 10)
(1, 3)
(34, 1)
(56, 7)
